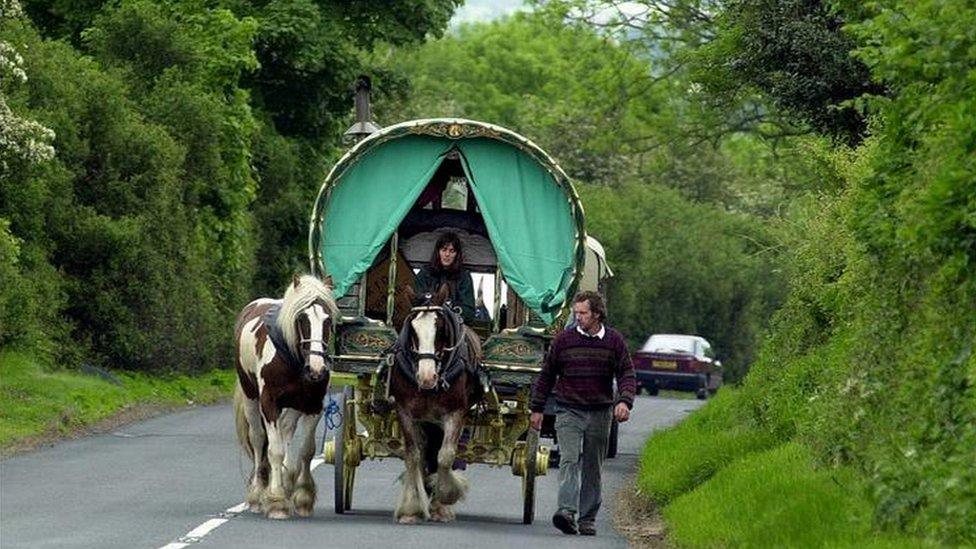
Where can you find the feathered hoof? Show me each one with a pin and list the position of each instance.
(253, 500)
(276, 507)
(304, 500)
(451, 490)
(278, 514)
(442, 513)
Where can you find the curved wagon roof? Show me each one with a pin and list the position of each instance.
(531, 210)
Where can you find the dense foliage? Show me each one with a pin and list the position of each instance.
(869, 364)
(189, 139)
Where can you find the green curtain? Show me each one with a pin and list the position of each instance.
(525, 209)
(371, 199)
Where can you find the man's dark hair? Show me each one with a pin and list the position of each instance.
(597, 305)
(435, 259)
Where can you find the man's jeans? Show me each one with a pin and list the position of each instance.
(583, 436)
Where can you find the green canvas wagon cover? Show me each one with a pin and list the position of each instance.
(530, 209)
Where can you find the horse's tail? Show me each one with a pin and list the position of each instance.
(240, 421)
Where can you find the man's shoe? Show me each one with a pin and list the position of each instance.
(587, 530)
(565, 523)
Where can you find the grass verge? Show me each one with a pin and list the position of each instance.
(778, 498)
(38, 404)
(676, 460)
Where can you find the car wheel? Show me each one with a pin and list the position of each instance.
(702, 393)
(653, 390)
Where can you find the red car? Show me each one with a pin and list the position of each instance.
(681, 362)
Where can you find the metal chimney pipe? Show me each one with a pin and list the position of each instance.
(364, 125)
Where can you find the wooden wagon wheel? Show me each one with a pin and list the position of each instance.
(345, 474)
(528, 477)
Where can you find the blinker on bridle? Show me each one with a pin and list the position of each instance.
(444, 312)
(441, 311)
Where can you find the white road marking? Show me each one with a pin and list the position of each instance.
(195, 535)
(239, 508)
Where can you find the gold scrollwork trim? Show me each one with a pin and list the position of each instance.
(514, 348)
(361, 339)
(455, 130)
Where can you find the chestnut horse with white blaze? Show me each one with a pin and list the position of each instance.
(434, 382)
(283, 375)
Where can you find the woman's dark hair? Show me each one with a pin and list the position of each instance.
(435, 258)
(597, 306)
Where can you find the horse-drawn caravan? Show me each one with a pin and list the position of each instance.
(374, 224)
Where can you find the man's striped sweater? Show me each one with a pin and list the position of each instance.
(582, 369)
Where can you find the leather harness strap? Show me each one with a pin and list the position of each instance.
(277, 338)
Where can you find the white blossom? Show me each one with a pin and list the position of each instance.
(10, 9)
(20, 138)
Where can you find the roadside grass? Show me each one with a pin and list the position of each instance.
(778, 498)
(37, 401)
(677, 460)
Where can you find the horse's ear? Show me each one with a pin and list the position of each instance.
(328, 281)
(296, 280)
(442, 294)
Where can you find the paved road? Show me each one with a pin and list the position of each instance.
(151, 483)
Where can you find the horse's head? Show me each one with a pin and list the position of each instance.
(427, 321)
(313, 321)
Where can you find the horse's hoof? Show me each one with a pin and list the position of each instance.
(409, 519)
(442, 515)
(255, 508)
(303, 512)
(278, 514)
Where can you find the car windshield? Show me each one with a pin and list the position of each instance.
(670, 344)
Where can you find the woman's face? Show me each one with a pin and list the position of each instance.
(447, 254)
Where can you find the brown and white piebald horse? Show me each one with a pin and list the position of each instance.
(434, 383)
(283, 375)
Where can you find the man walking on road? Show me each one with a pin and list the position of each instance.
(582, 363)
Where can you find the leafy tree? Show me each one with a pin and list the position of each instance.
(565, 86)
(138, 242)
(684, 267)
(29, 296)
(107, 215)
(20, 138)
(188, 62)
(792, 52)
(309, 53)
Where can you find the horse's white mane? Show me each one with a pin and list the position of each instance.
(297, 298)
